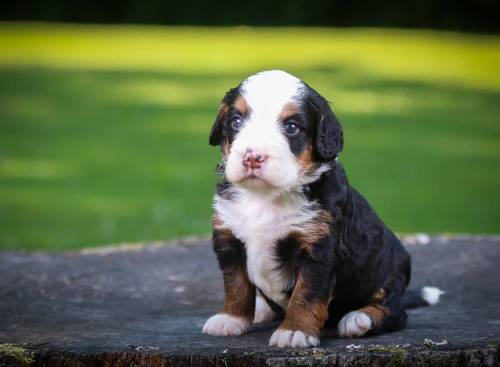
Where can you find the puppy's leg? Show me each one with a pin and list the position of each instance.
(307, 309)
(239, 293)
(263, 312)
(384, 313)
(359, 322)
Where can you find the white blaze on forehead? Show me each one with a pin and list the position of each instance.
(269, 91)
(266, 94)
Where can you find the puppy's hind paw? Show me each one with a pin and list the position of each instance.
(354, 324)
(292, 338)
(223, 324)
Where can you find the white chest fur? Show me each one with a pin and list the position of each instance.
(259, 220)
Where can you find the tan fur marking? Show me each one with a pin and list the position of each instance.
(225, 148)
(239, 294)
(305, 159)
(221, 116)
(375, 309)
(378, 296)
(223, 110)
(241, 105)
(315, 231)
(302, 315)
(288, 111)
(222, 232)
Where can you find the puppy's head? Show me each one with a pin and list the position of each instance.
(275, 132)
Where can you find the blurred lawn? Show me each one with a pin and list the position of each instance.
(104, 130)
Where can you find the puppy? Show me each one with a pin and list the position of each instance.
(289, 229)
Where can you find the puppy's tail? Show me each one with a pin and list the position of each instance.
(426, 296)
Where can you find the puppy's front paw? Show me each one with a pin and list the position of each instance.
(224, 324)
(292, 338)
(354, 324)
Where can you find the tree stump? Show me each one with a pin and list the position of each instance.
(144, 305)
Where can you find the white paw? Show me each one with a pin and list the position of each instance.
(354, 324)
(289, 338)
(263, 313)
(224, 324)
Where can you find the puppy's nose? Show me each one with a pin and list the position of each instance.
(253, 159)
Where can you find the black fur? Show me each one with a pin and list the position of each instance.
(219, 128)
(329, 136)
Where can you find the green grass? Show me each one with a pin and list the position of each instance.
(104, 130)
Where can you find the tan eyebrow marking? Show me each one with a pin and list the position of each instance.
(290, 109)
(241, 105)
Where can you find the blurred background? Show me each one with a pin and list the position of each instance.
(105, 110)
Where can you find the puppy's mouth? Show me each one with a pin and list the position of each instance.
(253, 173)
(254, 178)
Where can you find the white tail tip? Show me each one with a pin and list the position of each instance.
(431, 294)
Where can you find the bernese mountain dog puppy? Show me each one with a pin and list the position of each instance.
(293, 239)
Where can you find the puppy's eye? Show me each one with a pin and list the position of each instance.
(237, 123)
(291, 129)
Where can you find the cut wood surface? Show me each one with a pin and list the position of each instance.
(145, 305)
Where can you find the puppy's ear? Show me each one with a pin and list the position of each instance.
(216, 134)
(329, 139)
